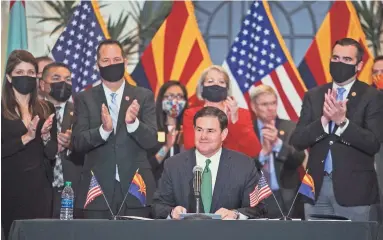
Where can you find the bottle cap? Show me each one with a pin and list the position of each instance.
(68, 184)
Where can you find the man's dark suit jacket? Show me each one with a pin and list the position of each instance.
(237, 177)
(127, 150)
(354, 178)
(71, 163)
(286, 164)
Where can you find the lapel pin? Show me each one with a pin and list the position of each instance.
(353, 94)
(127, 98)
(71, 113)
(282, 132)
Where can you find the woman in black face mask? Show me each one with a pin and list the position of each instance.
(28, 143)
(214, 89)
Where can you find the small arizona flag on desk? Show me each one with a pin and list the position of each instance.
(138, 188)
(307, 187)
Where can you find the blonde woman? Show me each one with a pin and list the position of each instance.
(214, 89)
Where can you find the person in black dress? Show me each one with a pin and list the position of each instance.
(170, 105)
(28, 144)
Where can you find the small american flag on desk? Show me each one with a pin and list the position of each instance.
(261, 191)
(77, 45)
(94, 191)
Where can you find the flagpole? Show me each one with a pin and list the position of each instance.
(296, 195)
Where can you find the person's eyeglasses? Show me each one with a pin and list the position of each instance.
(174, 96)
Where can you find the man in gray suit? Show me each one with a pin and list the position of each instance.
(56, 87)
(114, 125)
(279, 160)
(228, 181)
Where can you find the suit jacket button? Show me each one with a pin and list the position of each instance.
(330, 143)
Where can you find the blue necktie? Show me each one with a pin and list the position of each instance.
(113, 110)
(269, 168)
(328, 161)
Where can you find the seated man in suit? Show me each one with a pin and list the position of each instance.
(228, 180)
(56, 87)
(278, 160)
(341, 123)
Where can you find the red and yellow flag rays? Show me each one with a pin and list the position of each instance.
(139, 181)
(341, 21)
(308, 180)
(177, 51)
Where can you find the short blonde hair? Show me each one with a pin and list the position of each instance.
(203, 77)
(260, 90)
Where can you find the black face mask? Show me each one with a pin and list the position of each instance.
(214, 93)
(24, 84)
(61, 91)
(112, 73)
(341, 72)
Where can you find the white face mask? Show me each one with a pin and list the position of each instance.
(173, 108)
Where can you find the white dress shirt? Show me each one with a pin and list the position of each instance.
(132, 127)
(347, 88)
(59, 125)
(61, 112)
(214, 164)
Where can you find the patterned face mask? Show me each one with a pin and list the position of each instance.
(174, 107)
(378, 81)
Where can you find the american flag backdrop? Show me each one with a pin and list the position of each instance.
(78, 43)
(259, 56)
(261, 191)
(94, 191)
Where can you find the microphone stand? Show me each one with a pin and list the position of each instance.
(117, 217)
(292, 204)
(291, 207)
(197, 194)
(197, 215)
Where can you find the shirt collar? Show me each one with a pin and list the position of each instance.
(61, 104)
(260, 124)
(119, 91)
(213, 158)
(347, 87)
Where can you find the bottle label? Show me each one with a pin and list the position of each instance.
(66, 203)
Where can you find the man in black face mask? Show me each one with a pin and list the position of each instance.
(340, 123)
(56, 87)
(115, 123)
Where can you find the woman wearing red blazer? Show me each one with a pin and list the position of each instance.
(214, 89)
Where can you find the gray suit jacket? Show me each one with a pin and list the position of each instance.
(237, 177)
(289, 159)
(127, 150)
(72, 163)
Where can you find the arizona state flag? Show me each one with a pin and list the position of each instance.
(341, 21)
(307, 187)
(176, 52)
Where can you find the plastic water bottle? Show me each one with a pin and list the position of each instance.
(67, 196)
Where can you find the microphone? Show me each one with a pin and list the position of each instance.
(197, 171)
(197, 180)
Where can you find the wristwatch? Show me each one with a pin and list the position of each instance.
(236, 214)
(341, 124)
